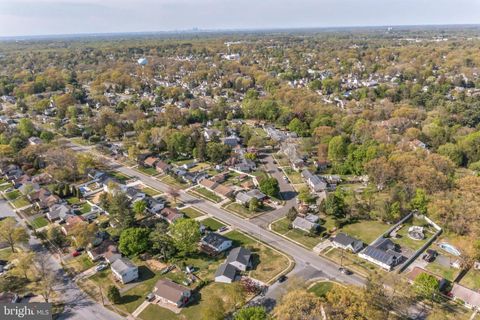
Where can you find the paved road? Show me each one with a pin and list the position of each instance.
(78, 306)
(286, 191)
(299, 254)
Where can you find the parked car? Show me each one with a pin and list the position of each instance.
(222, 229)
(282, 278)
(150, 297)
(76, 253)
(101, 266)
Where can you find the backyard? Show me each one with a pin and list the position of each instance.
(366, 230)
(282, 227)
(405, 241)
(471, 279)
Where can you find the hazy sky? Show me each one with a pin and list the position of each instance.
(40, 17)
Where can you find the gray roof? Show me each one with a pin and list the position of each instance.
(122, 264)
(345, 240)
(59, 211)
(303, 223)
(226, 270)
(255, 193)
(239, 254)
(382, 250)
(243, 197)
(214, 239)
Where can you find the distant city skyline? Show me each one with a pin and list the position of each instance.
(54, 17)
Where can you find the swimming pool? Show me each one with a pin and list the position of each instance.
(449, 248)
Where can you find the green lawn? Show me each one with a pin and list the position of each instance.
(207, 194)
(471, 279)
(352, 262)
(148, 171)
(150, 191)
(320, 289)
(7, 254)
(73, 200)
(119, 176)
(366, 230)
(86, 208)
(13, 195)
(192, 213)
(281, 227)
(212, 224)
(21, 202)
(5, 186)
(79, 264)
(445, 272)
(294, 176)
(267, 262)
(173, 182)
(39, 222)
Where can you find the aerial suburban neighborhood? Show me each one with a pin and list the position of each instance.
(290, 174)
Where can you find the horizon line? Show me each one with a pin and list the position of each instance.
(194, 30)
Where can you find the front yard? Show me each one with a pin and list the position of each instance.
(39, 222)
(244, 211)
(292, 175)
(352, 261)
(206, 194)
(212, 224)
(191, 213)
(151, 192)
(282, 227)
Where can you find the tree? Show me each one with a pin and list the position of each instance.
(298, 305)
(427, 286)
(56, 236)
(335, 205)
(139, 207)
(84, 233)
(269, 186)
(134, 241)
(26, 128)
(185, 234)
(119, 208)
(253, 205)
(213, 309)
(251, 313)
(24, 263)
(292, 213)
(12, 234)
(174, 193)
(337, 149)
(299, 127)
(217, 152)
(47, 136)
(47, 279)
(305, 195)
(162, 243)
(113, 294)
(420, 201)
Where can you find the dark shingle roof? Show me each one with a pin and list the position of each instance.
(214, 239)
(239, 254)
(346, 240)
(226, 270)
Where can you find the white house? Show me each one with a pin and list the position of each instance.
(226, 273)
(169, 292)
(240, 258)
(124, 270)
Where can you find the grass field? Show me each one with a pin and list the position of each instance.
(73, 200)
(13, 195)
(192, 213)
(281, 227)
(212, 224)
(207, 194)
(267, 262)
(244, 211)
(148, 171)
(320, 289)
(4, 187)
(471, 279)
(151, 192)
(172, 182)
(366, 230)
(119, 176)
(406, 241)
(443, 271)
(79, 264)
(21, 202)
(352, 261)
(293, 176)
(39, 222)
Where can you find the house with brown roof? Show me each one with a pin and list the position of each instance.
(150, 162)
(217, 188)
(162, 167)
(170, 214)
(71, 223)
(99, 252)
(167, 291)
(42, 178)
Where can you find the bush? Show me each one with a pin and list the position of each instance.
(113, 294)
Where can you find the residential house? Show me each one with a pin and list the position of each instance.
(34, 141)
(170, 215)
(382, 253)
(42, 178)
(231, 141)
(97, 175)
(72, 222)
(314, 182)
(99, 252)
(226, 273)
(28, 187)
(23, 179)
(59, 212)
(162, 167)
(111, 256)
(169, 292)
(470, 297)
(133, 194)
(344, 241)
(245, 197)
(150, 162)
(124, 270)
(240, 258)
(209, 134)
(215, 242)
(304, 224)
(154, 206)
(217, 188)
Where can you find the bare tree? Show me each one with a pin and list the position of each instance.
(47, 279)
(174, 193)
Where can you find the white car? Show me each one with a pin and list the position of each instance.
(101, 266)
